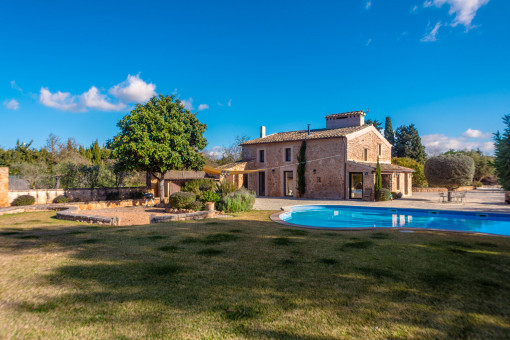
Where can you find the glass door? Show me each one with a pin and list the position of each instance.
(288, 183)
(356, 185)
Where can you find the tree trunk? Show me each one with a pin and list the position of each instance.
(161, 188)
(450, 194)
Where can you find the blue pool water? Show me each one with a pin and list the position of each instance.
(339, 216)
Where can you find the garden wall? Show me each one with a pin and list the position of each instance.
(466, 188)
(45, 196)
(4, 187)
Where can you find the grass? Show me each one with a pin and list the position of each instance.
(247, 278)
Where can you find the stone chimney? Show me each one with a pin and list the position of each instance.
(347, 119)
(262, 131)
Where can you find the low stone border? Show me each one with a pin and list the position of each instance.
(465, 188)
(71, 214)
(198, 215)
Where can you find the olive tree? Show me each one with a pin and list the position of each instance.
(159, 136)
(449, 171)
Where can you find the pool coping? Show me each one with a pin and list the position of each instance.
(276, 218)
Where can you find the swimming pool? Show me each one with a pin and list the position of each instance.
(345, 217)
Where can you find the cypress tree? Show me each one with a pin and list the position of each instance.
(96, 153)
(301, 158)
(378, 177)
(388, 131)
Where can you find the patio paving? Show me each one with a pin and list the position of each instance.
(476, 200)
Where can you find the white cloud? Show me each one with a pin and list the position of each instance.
(60, 100)
(464, 10)
(11, 104)
(369, 41)
(431, 36)
(220, 104)
(368, 4)
(229, 103)
(215, 152)
(188, 103)
(438, 143)
(473, 133)
(15, 86)
(202, 107)
(93, 99)
(414, 9)
(133, 90)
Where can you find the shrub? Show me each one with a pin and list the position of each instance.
(24, 200)
(181, 200)
(137, 195)
(113, 196)
(238, 201)
(382, 195)
(449, 171)
(61, 199)
(224, 188)
(477, 184)
(198, 186)
(195, 206)
(209, 196)
(419, 180)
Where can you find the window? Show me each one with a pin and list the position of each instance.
(365, 155)
(380, 150)
(288, 155)
(261, 156)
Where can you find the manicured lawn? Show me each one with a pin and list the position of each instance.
(247, 278)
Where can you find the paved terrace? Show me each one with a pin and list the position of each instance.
(476, 200)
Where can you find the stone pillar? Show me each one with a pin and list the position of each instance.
(4, 187)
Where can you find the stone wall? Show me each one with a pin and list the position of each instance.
(46, 196)
(371, 141)
(4, 187)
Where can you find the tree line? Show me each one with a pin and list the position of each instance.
(67, 164)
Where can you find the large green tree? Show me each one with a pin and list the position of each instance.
(419, 180)
(377, 124)
(408, 143)
(502, 153)
(483, 167)
(160, 136)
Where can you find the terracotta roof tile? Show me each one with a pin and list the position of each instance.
(303, 135)
(384, 166)
(346, 114)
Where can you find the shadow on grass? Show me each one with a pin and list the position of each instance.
(257, 280)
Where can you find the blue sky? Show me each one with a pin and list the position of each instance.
(75, 68)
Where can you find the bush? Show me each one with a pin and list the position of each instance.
(419, 180)
(382, 195)
(225, 188)
(195, 206)
(477, 184)
(237, 201)
(113, 196)
(181, 200)
(209, 196)
(137, 195)
(24, 200)
(61, 199)
(199, 186)
(450, 171)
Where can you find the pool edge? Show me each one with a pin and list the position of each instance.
(276, 218)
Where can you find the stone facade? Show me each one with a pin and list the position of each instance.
(330, 162)
(4, 187)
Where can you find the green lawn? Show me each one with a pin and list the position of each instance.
(247, 277)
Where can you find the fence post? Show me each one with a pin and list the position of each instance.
(4, 187)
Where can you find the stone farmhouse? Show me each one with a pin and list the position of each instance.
(340, 161)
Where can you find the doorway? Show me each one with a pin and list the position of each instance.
(288, 183)
(262, 183)
(356, 185)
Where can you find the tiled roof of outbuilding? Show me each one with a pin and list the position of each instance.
(303, 135)
(384, 167)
